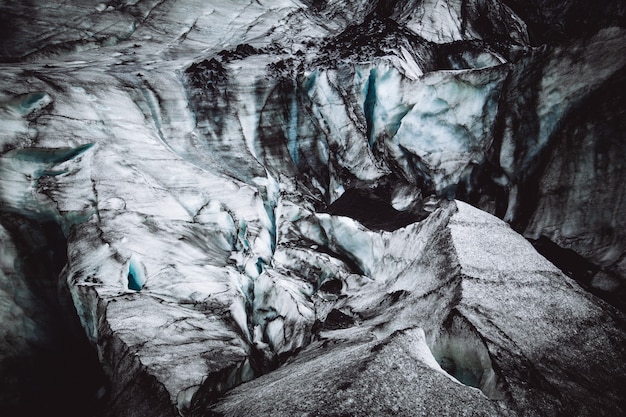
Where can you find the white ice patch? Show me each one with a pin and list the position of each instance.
(14, 124)
(17, 182)
(449, 124)
(239, 314)
(337, 121)
(394, 102)
(21, 171)
(437, 21)
(284, 311)
(409, 66)
(405, 197)
(213, 214)
(349, 237)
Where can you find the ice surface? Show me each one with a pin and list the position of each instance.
(460, 352)
(448, 122)
(192, 153)
(29, 103)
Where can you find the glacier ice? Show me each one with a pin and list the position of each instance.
(259, 203)
(136, 275)
(460, 352)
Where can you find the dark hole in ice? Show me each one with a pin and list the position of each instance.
(344, 385)
(332, 286)
(372, 211)
(335, 320)
(338, 320)
(578, 268)
(567, 260)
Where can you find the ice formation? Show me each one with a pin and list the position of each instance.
(295, 208)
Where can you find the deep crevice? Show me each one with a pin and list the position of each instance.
(372, 210)
(57, 371)
(578, 268)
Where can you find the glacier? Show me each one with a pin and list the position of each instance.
(312, 208)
